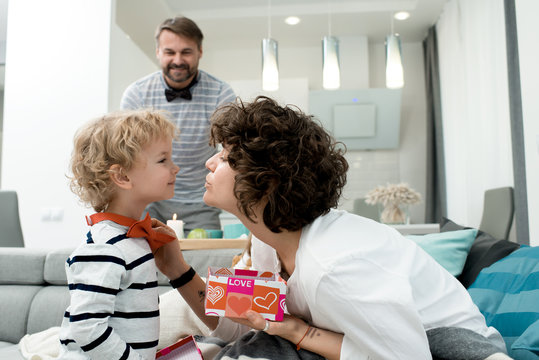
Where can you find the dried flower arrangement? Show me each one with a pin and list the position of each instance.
(392, 197)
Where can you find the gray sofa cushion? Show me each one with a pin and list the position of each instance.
(16, 301)
(10, 351)
(48, 308)
(54, 271)
(32, 308)
(22, 266)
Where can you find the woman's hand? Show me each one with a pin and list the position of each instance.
(291, 328)
(162, 228)
(323, 342)
(169, 258)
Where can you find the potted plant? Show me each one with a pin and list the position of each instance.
(393, 201)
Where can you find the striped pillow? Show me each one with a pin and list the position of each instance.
(507, 293)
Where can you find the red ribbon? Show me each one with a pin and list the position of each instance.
(137, 229)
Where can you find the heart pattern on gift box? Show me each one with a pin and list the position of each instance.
(239, 304)
(266, 274)
(232, 292)
(215, 294)
(267, 301)
(224, 271)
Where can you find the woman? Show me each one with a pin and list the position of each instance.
(356, 289)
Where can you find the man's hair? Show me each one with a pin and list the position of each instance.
(116, 138)
(181, 26)
(283, 156)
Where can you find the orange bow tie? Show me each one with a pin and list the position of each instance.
(137, 229)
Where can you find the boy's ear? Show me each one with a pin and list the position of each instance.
(119, 177)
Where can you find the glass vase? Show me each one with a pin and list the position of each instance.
(394, 213)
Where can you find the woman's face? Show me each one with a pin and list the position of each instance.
(220, 183)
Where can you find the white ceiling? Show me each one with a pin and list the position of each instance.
(244, 22)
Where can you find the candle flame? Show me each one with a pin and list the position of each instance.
(174, 216)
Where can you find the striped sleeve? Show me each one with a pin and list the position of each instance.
(94, 280)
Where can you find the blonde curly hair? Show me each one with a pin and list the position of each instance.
(116, 138)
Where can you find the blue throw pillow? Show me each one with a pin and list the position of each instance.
(507, 294)
(449, 249)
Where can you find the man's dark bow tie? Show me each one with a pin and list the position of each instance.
(184, 93)
(173, 94)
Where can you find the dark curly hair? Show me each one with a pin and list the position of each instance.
(282, 155)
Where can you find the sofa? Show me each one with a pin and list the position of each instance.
(502, 278)
(34, 293)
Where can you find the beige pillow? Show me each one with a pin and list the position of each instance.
(177, 320)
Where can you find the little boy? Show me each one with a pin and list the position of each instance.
(120, 163)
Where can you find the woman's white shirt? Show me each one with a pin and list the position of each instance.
(365, 280)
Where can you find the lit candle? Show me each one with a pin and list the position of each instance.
(177, 226)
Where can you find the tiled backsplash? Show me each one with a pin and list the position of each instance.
(368, 169)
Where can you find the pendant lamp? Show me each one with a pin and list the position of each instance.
(394, 71)
(331, 73)
(270, 65)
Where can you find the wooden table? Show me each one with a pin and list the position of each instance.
(199, 244)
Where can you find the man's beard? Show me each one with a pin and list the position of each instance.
(180, 78)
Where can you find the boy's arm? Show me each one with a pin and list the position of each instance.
(91, 304)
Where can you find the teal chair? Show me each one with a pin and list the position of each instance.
(10, 225)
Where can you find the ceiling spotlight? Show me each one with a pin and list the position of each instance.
(402, 15)
(292, 20)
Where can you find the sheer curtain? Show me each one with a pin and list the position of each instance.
(475, 105)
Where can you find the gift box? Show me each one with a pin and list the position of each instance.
(184, 349)
(231, 292)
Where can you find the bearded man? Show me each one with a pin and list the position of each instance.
(189, 96)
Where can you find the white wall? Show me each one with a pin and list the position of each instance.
(526, 11)
(1, 126)
(127, 63)
(66, 67)
(62, 59)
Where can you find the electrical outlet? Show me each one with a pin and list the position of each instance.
(57, 214)
(45, 214)
(52, 214)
